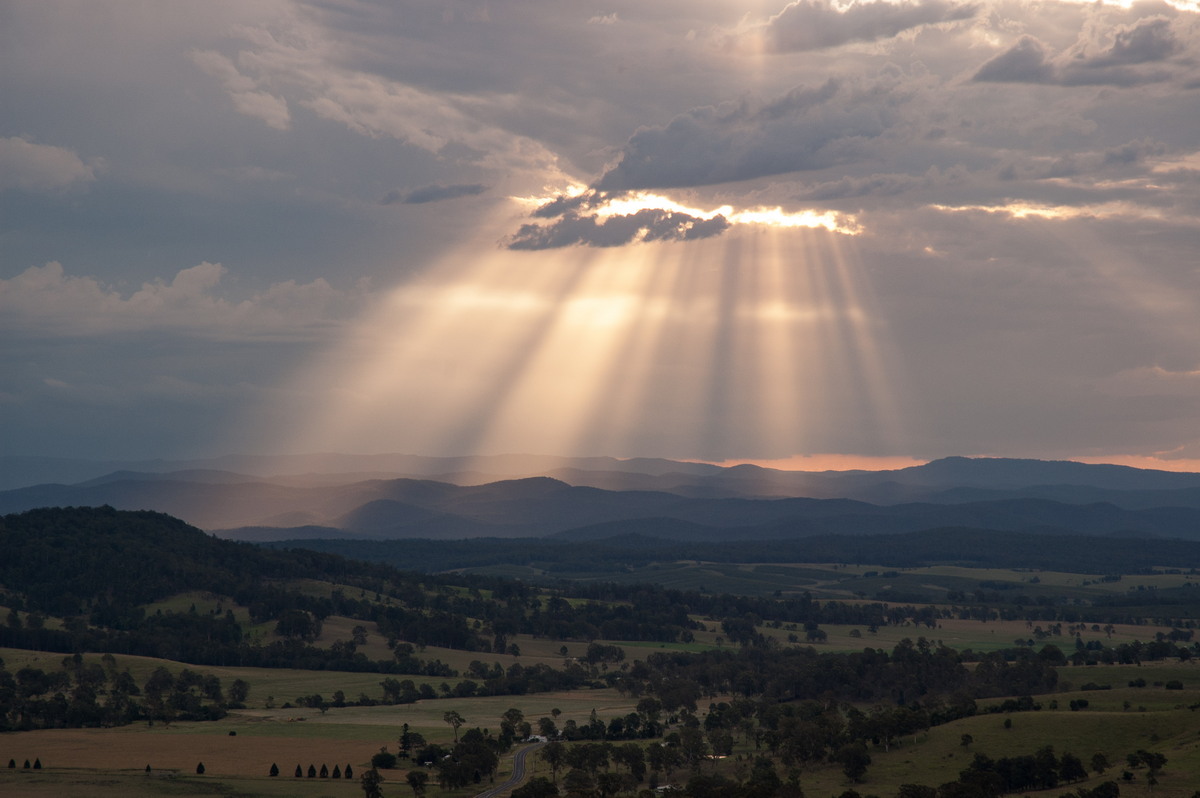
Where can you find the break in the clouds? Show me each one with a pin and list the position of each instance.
(915, 228)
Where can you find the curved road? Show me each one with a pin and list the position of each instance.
(518, 773)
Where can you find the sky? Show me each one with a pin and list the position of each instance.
(808, 233)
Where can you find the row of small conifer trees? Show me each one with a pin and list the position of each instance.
(313, 773)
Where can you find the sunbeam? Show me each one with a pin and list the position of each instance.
(708, 350)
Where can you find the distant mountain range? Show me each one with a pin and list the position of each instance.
(399, 496)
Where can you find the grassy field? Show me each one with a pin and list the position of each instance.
(238, 751)
(851, 581)
(104, 763)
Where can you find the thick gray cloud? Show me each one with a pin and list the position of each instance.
(817, 24)
(1024, 62)
(804, 129)
(1148, 41)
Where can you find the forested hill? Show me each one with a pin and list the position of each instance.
(964, 546)
(89, 579)
(63, 558)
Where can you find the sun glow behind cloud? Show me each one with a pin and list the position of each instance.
(746, 343)
(628, 204)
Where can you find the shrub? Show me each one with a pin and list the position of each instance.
(384, 759)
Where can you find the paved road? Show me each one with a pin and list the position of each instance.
(518, 774)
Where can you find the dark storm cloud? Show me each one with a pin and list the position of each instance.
(807, 128)
(426, 194)
(1024, 62)
(815, 24)
(1149, 41)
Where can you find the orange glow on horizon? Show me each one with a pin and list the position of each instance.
(1182, 465)
(868, 462)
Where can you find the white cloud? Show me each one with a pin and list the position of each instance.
(247, 97)
(46, 302)
(306, 64)
(41, 167)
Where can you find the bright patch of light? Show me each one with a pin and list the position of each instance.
(1182, 5)
(628, 204)
(1187, 162)
(1028, 210)
(572, 190)
(777, 217)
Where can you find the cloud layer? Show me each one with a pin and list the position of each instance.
(983, 214)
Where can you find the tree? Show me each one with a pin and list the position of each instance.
(1070, 768)
(298, 623)
(371, 784)
(455, 720)
(299, 772)
(1100, 763)
(916, 791)
(418, 779)
(547, 728)
(239, 691)
(384, 759)
(274, 769)
(854, 760)
(554, 754)
(538, 787)
(578, 782)
(200, 769)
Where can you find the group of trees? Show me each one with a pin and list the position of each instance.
(98, 694)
